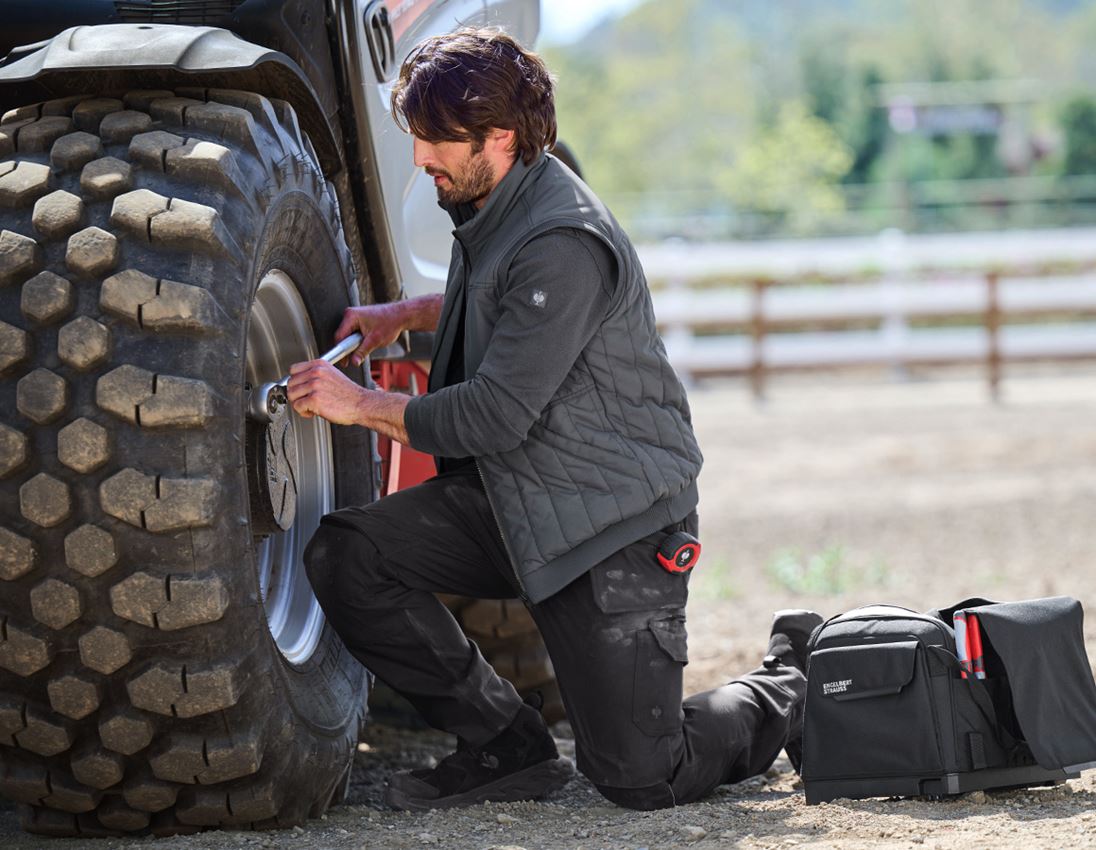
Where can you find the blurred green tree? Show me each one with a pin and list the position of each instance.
(1079, 129)
(791, 168)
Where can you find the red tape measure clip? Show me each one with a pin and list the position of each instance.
(679, 552)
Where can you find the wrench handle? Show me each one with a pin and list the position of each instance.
(343, 348)
(335, 354)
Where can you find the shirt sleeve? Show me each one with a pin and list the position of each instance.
(559, 289)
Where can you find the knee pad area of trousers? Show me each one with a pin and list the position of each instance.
(642, 799)
(324, 560)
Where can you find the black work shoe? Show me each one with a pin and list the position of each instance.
(788, 638)
(788, 648)
(520, 763)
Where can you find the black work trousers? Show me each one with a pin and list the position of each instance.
(616, 637)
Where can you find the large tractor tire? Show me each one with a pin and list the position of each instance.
(163, 663)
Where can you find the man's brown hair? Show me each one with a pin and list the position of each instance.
(457, 87)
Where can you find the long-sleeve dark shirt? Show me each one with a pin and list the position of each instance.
(561, 283)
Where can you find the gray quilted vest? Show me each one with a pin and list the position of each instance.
(613, 454)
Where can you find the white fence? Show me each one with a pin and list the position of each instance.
(991, 298)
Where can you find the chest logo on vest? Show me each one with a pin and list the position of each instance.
(539, 298)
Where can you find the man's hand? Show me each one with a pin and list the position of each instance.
(316, 388)
(381, 324)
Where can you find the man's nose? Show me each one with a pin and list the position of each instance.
(424, 153)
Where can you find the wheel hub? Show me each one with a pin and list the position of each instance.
(290, 469)
(272, 473)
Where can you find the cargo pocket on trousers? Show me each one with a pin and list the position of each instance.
(633, 580)
(661, 656)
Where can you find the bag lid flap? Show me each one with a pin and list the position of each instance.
(856, 672)
(1041, 644)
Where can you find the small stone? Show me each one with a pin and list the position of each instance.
(693, 833)
(428, 838)
(504, 818)
(976, 798)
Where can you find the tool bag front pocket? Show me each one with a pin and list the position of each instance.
(870, 713)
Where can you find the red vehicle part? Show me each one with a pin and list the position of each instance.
(401, 466)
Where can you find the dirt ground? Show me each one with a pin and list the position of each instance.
(834, 493)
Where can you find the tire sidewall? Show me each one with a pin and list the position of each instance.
(297, 240)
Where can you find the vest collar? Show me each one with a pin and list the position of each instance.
(474, 227)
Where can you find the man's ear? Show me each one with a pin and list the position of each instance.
(502, 141)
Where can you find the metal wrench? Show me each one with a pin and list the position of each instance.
(269, 398)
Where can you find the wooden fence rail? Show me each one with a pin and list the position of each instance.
(894, 320)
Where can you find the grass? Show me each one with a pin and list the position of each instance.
(825, 573)
(712, 580)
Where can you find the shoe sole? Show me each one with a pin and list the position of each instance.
(529, 784)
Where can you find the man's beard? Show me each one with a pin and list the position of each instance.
(473, 183)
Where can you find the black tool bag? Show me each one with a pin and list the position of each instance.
(888, 712)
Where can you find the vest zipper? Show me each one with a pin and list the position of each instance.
(522, 593)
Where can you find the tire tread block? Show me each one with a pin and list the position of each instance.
(18, 555)
(159, 304)
(14, 346)
(171, 602)
(182, 691)
(20, 256)
(21, 652)
(154, 401)
(192, 759)
(41, 734)
(23, 184)
(159, 504)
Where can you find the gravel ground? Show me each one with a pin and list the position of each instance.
(832, 494)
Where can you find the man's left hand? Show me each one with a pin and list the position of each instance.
(316, 388)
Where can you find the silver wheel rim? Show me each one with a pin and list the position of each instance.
(280, 334)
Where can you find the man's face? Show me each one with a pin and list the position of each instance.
(463, 173)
